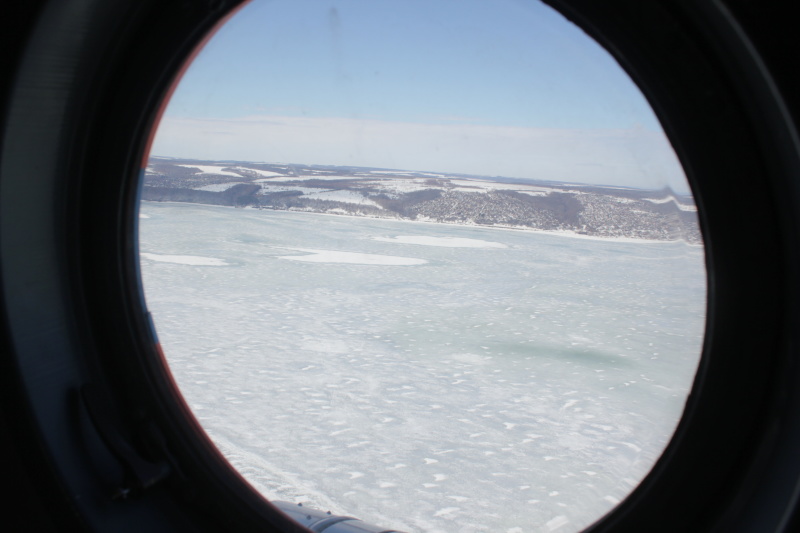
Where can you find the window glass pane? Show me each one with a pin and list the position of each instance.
(430, 264)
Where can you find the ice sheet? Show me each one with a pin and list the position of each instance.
(519, 388)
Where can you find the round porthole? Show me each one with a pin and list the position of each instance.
(440, 273)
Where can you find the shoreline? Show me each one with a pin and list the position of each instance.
(557, 233)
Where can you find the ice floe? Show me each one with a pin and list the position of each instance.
(184, 259)
(353, 258)
(557, 522)
(449, 242)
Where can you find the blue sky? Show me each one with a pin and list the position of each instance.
(492, 87)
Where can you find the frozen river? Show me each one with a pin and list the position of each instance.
(421, 376)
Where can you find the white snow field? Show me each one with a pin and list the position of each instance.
(527, 387)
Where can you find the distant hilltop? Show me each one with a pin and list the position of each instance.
(429, 196)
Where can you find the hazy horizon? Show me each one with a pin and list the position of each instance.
(498, 178)
(507, 88)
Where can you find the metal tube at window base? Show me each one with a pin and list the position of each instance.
(319, 521)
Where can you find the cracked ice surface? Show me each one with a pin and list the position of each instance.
(522, 387)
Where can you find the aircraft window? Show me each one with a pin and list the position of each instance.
(465, 290)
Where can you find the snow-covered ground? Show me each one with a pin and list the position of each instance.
(216, 170)
(349, 197)
(485, 186)
(410, 184)
(268, 189)
(528, 387)
(392, 172)
(399, 185)
(316, 177)
(265, 173)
